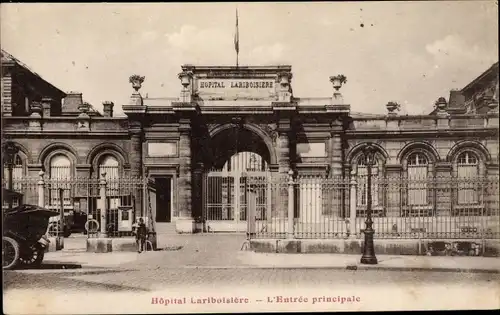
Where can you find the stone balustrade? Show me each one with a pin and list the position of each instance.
(425, 122)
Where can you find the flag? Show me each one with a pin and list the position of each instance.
(237, 35)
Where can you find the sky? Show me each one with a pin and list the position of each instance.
(408, 52)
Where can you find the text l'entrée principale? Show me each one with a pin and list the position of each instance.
(244, 300)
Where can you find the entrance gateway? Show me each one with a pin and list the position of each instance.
(230, 139)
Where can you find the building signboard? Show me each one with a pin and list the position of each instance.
(232, 89)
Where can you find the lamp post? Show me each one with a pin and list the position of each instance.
(10, 151)
(369, 257)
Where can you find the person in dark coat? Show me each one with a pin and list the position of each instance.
(141, 234)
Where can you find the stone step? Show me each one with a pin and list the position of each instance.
(166, 228)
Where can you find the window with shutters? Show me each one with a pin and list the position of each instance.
(467, 174)
(60, 178)
(417, 179)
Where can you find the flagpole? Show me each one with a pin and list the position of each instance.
(237, 40)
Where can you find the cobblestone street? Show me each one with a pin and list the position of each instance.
(213, 265)
(120, 288)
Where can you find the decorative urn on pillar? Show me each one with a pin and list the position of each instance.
(441, 105)
(35, 117)
(36, 109)
(185, 78)
(136, 81)
(284, 92)
(284, 78)
(392, 107)
(83, 121)
(337, 82)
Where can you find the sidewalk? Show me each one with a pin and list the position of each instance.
(386, 262)
(223, 252)
(251, 260)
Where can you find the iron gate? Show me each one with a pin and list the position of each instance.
(226, 192)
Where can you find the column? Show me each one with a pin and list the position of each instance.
(353, 204)
(335, 151)
(185, 222)
(41, 189)
(136, 169)
(283, 165)
(104, 205)
(197, 190)
(284, 152)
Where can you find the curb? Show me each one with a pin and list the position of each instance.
(348, 268)
(83, 268)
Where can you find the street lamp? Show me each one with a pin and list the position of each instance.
(369, 257)
(10, 151)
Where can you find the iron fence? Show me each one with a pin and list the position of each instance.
(428, 208)
(81, 201)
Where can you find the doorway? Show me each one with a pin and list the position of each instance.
(163, 199)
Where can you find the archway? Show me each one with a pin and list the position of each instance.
(235, 179)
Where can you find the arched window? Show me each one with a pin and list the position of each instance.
(110, 166)
(467, 171)
(60, 177)
(362, 174)
(417, 179)
(17, 170)
(17, 175)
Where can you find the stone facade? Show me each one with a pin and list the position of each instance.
(223, 110)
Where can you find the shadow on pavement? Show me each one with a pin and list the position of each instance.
(52, 266)
(169, 248)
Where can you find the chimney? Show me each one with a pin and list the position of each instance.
(108, 108)
(46, 106)
(71, 102)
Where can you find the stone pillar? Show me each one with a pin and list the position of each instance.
(352, 204)
(41, 190)
(492, 119)
(185, 222)
(336, 153)
(291, 188)
(35, 117)
(7, 91)
(283, 165)
(197, 190)
(443, 121)
(136, 167)
(103, 206)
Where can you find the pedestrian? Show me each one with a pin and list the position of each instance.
(141, 235)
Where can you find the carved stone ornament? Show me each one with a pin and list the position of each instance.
(338, 81)
(185, 78)
(136, 81)
(392, 106)
(271, 130)
(441, 104)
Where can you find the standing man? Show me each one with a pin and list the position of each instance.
(141, 234)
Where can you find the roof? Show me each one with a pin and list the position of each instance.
(492, 69)
(10, 59)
